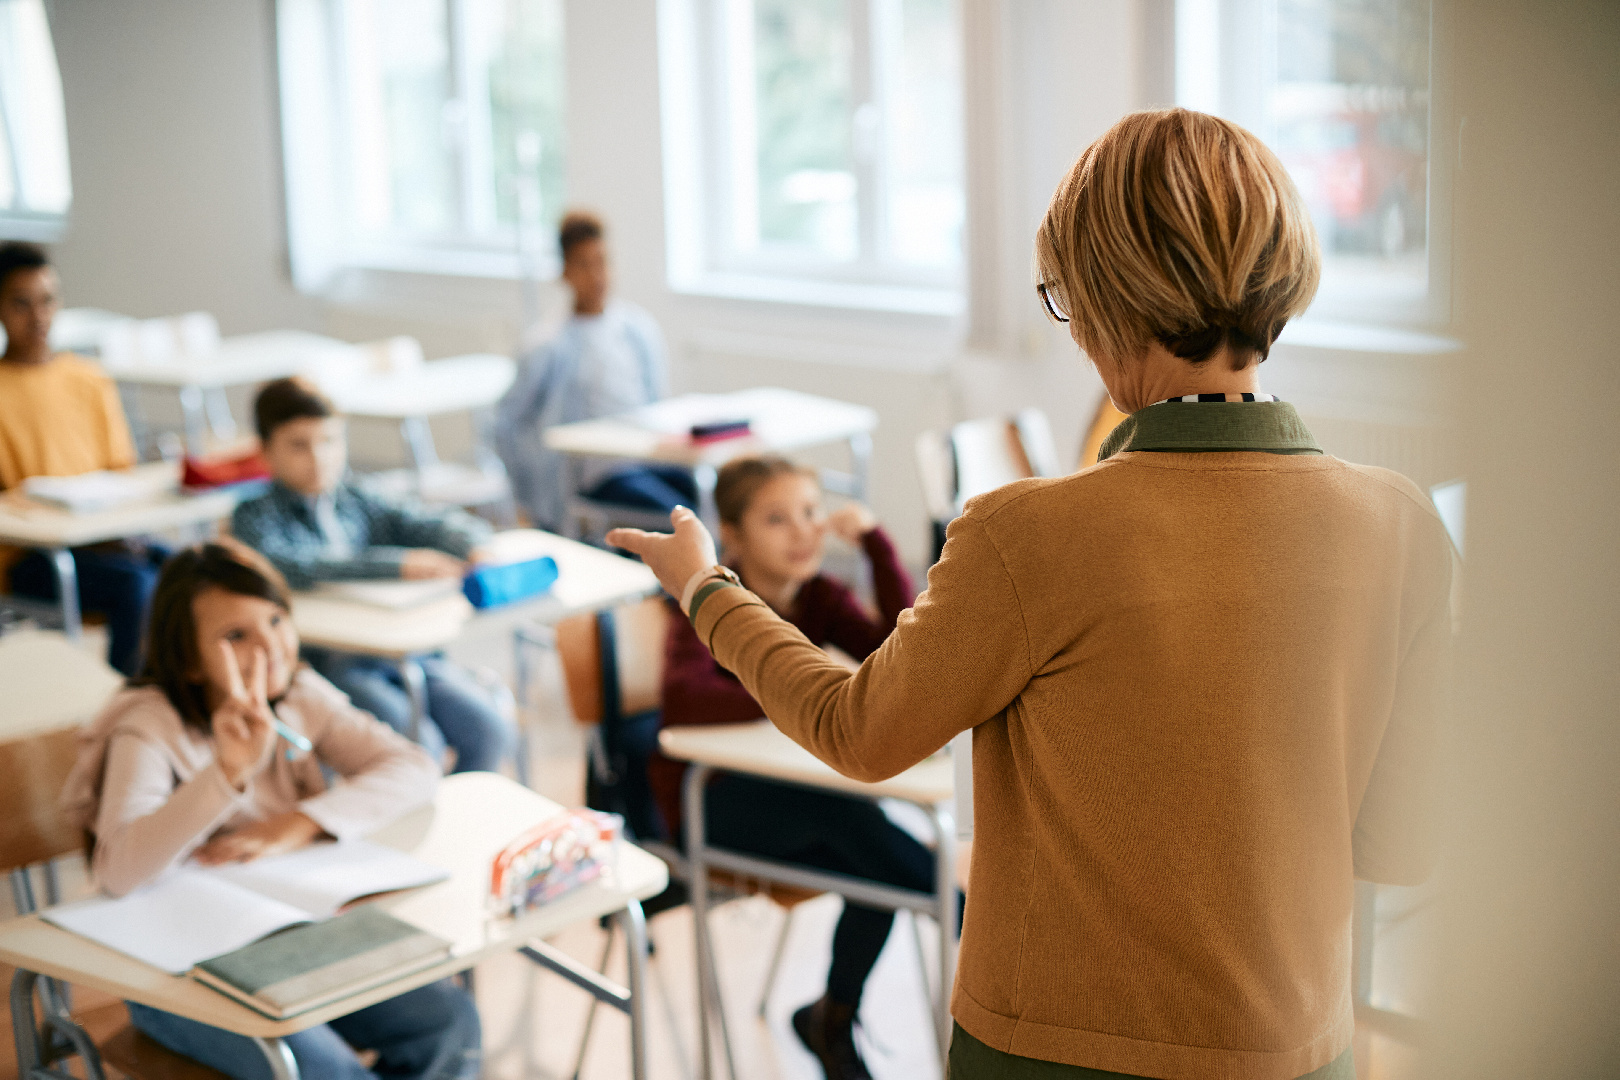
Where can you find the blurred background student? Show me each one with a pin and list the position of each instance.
(60, 416)
(607, 358)
(314, 525)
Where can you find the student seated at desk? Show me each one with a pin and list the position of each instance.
(774, 530)
(607, 358)
(60, 416)
(186, 763)
(315, 526)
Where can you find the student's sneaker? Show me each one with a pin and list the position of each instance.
(827, 1029)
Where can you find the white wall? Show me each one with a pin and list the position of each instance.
(1531, 956)
(174, 132)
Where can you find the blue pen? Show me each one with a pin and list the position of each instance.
(293, 737)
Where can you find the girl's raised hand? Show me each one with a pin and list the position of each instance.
(850, 522)
(244, 729)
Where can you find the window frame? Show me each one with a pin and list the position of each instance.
(325, 248)
(707, 99)
(1220, 43)
(19, 220)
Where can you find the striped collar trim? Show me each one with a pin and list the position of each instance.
(1219, 397)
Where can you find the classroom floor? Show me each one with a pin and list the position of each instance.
(533, 1021)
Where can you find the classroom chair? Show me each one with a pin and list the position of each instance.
(977, 456)
(613, 668)
(33, 835)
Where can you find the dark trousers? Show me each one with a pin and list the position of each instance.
(826, 831)
(114, 580)
(648, 487)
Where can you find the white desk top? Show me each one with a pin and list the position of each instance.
(50, 683)
(780, 421)
(30, 524)
(759, 749)
(79, 329)
(456, 384)
(588, 579)
(473, 817)
(243, 360)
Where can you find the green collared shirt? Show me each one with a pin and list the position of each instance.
(1272, 427)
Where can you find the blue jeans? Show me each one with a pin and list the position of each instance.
(430, 1033)
(648, 487)
(115, 580)
(459, 712)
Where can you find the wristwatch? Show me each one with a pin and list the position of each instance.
(704, 583)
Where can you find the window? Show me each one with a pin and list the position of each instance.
(422, 134)
(817, 143)
(1341, 90)
(35, 188)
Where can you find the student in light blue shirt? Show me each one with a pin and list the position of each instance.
(607, 358)
(314, 525)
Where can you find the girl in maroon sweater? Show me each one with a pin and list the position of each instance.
(774, 529)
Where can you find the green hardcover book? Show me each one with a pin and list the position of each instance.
(308, 966)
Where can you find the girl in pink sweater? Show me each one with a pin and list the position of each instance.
(186, 763)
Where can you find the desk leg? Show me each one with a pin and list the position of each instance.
(635, 936)
(418, 435)
(697, 777)
(220, 420)
(945, 889)
(194, 409)
(67, 591)
(283, 1066)
(706, 476)
(40, 1048)
(410, 669)
(860, 464)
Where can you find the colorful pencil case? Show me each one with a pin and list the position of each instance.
(554, 858)
(491, 586)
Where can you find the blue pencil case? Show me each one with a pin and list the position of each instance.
(491, 586)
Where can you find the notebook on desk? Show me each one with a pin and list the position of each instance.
(192, 914)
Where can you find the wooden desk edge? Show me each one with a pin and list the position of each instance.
(895, 787)
(244, 1021)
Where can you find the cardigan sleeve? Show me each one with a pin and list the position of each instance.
(1394, 842)
(959, 657)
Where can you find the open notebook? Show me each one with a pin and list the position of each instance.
(192, 914)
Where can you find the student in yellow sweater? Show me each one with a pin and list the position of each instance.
(1203, 676)
(60, 416)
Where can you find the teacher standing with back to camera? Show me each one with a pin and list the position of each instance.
(1203, 676)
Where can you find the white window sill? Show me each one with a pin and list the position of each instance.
(1362, 338)
(35, 228)
(850, 296)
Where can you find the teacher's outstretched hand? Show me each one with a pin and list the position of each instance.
(673, 556)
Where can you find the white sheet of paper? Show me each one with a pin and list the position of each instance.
(321, 878)
(185, 916)
(675, 416)
(392, 595)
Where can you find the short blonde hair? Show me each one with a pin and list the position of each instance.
(1181, 228)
